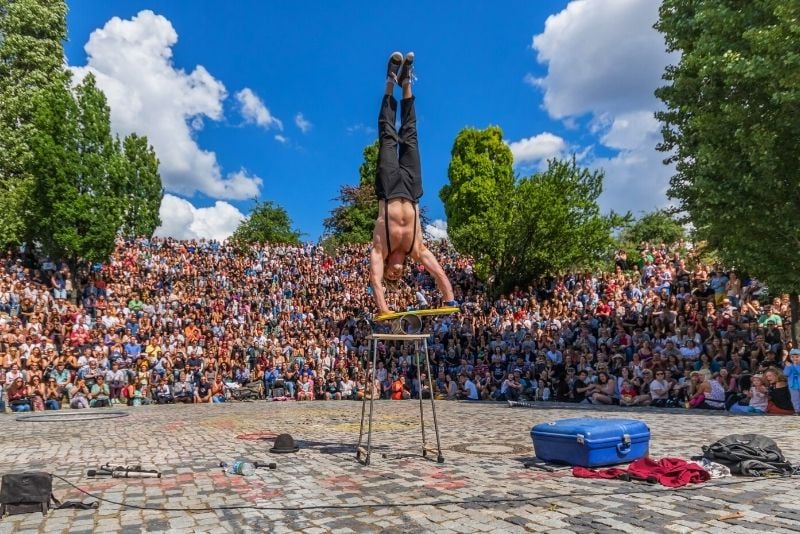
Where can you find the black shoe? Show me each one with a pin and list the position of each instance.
(407, 71)
(395, 62)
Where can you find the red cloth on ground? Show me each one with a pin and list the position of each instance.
(670, 472)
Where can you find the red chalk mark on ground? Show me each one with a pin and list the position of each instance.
(345, 483)
(255, 436)
(251, 489)
(175, 425)
(438, 479)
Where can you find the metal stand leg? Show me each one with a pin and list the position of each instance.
(421, 412)
(421, 350)
(439, 458)
(369, 390)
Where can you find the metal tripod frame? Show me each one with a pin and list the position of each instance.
(420, 350)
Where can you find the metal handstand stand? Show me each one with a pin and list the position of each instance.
(420, 349)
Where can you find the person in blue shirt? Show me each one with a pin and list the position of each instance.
(792, 372)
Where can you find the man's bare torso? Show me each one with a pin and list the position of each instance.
(404, 230)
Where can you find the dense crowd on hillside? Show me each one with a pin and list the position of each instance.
(168, 321)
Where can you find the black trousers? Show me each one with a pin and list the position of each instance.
(399, 172)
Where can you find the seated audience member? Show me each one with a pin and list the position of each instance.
(99, 393)
(18, 396)
(604, 391)
(52, 395)
(79, 395)
(756, 399)
(203, 391)
(36, 394)
(164, 392)
(183, 390)
(659, 390)
(779, 398)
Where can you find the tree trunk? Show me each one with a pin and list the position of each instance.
(72, 263)
(794, 301)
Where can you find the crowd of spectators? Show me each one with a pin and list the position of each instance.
(167, 321)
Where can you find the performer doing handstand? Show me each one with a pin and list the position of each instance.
(398, 187)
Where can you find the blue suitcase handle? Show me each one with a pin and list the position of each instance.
(624, 447)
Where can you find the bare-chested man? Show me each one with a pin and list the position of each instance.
(398, 187)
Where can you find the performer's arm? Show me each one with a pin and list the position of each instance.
(376, 279)
(426, 258)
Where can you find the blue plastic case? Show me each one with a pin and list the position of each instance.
(591, 442)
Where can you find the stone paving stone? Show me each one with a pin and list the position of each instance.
(324, 473)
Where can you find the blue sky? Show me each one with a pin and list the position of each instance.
(278, 99)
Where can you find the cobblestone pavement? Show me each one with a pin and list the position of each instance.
(484, 445)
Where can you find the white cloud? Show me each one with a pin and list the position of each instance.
(604, 59)
(602, 56)
(436, 229)
(636, 179)
(281, 138)
(539, 147)
(254, 111)
(132, 61)
(181, 220)
(302, 123)
(361, 128)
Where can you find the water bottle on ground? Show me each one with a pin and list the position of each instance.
(239, 466)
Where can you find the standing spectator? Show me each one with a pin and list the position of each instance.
(792, 371)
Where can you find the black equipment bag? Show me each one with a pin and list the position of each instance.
(749, 455)
(22, 493)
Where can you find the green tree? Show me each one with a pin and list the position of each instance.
(557, 224)
(730, 126)
(657, 227)
(268, 223)
(78, 171)
(352, 221)
(142, 188)
(478, 199)
(520, 230)
(31, 60)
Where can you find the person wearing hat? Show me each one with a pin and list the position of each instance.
(792, 372)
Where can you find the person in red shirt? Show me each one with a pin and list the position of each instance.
(602, 309)
(399, 391)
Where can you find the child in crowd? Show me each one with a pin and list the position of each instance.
(628, 393)
(757, 396)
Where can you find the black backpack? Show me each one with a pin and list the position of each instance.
(749, 455)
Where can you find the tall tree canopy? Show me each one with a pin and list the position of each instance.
(657, 227)
(519, 230)
(268, 223)
(478, 199)
(31, 61)
(77, 207)
(731, 127)
(142, 189)
(352, 221)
